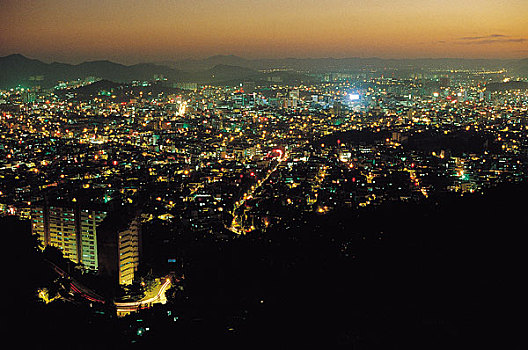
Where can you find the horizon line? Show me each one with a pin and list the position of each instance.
(162, 61)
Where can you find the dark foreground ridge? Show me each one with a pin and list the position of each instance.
(446, 273)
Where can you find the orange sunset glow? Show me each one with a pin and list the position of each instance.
(131, 31)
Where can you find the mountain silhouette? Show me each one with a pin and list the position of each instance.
(18, 70)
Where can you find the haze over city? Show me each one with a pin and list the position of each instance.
(135, 31)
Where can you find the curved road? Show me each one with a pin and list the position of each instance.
(91, 296)
(147, 301)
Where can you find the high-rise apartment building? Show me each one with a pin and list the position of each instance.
(112, 249)
(71, 229)
(119, 247)
(128, 252)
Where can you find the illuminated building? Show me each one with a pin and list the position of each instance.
(71, 229)
(78, 233)
(187, 86)
(128, 252)
(119, 245)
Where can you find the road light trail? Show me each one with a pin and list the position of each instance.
(91, 296)
(76, 287)
(134, 305)
(282, 156)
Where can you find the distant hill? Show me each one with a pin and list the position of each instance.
(20, 70)
(17, 69)
(225, 69)
(115, 92)
(521, 67)
(209, 63)
(227, 60)
(326, 64)
(99, 88)
(223, 72)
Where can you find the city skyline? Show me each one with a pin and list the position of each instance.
(133, 32)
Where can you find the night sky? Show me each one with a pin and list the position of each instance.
(131, 31)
